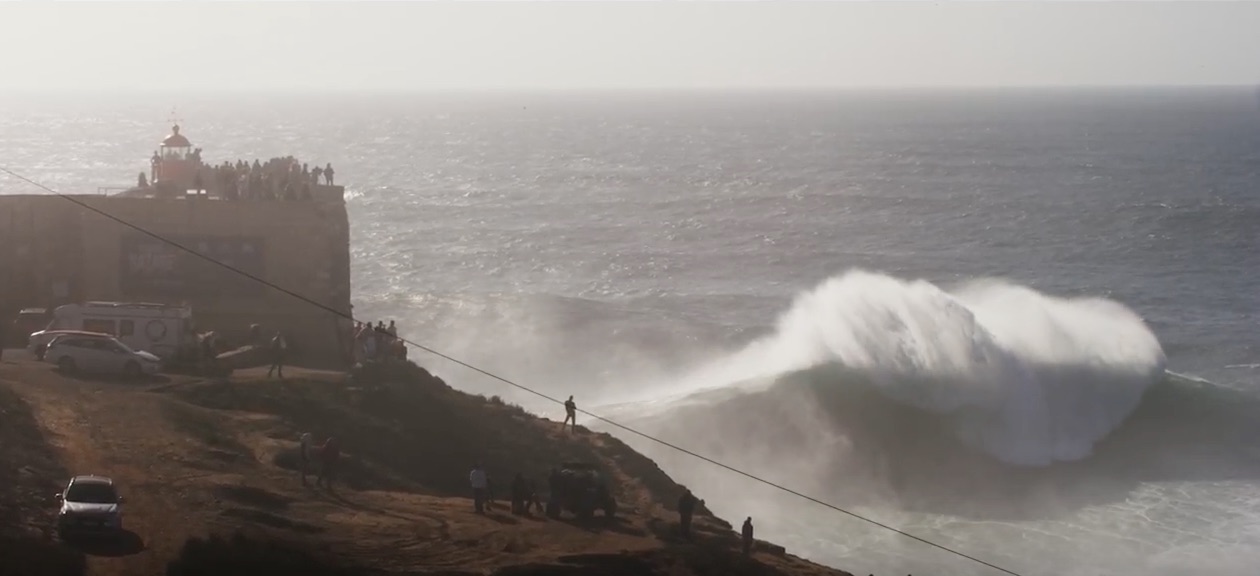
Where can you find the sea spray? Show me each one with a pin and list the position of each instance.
(1027, 378)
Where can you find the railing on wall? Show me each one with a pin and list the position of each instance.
(110, 190)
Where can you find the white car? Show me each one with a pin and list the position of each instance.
(99, 354)
(89, 505)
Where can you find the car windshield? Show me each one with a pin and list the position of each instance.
(91, 493)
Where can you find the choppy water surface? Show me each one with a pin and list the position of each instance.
(952, 312)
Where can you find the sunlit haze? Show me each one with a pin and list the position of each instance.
(281, 46)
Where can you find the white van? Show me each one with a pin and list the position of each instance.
(160, 329)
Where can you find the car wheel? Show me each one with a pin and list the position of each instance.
(66, 364)
(132, 371)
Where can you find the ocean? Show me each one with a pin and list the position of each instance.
(1020, 323)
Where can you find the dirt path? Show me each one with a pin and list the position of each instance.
(117, 429)
(176, 487)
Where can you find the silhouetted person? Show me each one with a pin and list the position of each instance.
(480, 483)
(520, 493)
(531, 498)
(686, 507)
(329, 454)
(747, 534)
(570, 414)
(316, 174)
(197, 182)
(142, 182)
(278, 348)
(304, 455)
(328, 174)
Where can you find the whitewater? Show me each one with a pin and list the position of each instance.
(956, 405)
(1028, 378)
(1021, 324)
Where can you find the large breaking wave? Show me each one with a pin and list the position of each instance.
(1027, 378)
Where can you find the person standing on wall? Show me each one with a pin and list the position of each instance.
(747, 534)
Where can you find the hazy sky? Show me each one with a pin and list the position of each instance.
(246, 46)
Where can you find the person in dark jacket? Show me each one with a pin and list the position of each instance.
(278, 348)
(531, 499)
(329, 455)
(553, 494)
(747, 535)
(686, 508)
(520, 494)
(570, 414)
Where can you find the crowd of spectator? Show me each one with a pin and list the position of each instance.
(276, 179)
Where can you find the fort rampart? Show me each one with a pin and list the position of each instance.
(53, 251)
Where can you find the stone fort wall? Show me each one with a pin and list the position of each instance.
(53, 252)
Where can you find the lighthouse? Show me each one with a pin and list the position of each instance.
(175, 164)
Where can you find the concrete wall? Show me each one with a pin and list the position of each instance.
(52, 251)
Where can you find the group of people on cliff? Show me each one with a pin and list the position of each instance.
(327, 454)
(377, 342)
(283, 178)
(276, 179)
(525, 500)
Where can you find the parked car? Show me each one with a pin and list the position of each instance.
(99, 354)
(39, 341)
(89, 505)
(579, 487)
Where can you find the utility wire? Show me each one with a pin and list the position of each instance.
(493, 376)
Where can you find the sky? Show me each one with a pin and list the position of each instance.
(414, 46)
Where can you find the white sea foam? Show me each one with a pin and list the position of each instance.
(1029, 378)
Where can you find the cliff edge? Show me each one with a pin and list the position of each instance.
(209, 470)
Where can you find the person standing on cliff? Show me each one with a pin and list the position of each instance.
(329, 455)
(328, 174)
(304, 455)
(747, 534)
(686, 507)
(477, 478)
(570, 414)
(278, 348)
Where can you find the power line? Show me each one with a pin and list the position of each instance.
(493, 376)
